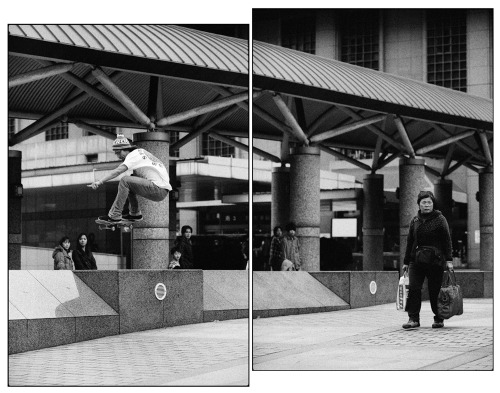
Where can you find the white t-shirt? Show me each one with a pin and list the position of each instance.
(147, 166)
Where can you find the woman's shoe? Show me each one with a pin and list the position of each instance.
(411, 324)
(437, 325)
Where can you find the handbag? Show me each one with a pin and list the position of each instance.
(425, 255)
(402, 295)
(450, 298)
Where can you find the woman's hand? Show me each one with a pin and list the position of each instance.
(95, 185)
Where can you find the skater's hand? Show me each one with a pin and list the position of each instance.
(95, 185)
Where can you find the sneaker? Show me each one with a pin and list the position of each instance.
(437, 325)
(130, 217)
(108, 219)
(411, 324)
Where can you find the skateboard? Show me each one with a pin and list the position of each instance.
(104, 225)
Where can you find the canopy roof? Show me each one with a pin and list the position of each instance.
(341, 105)
(194, 68)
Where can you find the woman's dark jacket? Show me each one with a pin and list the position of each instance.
(186, 250)
(433, 231)
(84, 261)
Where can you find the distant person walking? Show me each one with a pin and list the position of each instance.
(82, 256)
(62, 256)
(428, 253)
(150, 180)
(291, 246)
(276, 254)
(185, 247)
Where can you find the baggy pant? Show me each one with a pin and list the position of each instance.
(131, 186)
(418, 272)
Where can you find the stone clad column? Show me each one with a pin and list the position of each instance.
(14, 211)
(411, 182)
(305, 203)
(172, 202)
(373, 222)
(280, 197)
(486, 218)
(150, 237)
(443, 191)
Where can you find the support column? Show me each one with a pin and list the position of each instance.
(150, 237)
(14, 210)
(486, 218)
(443, 189)
(373, 222)
(172, 208)
(305, 203)
(411, 182)
(280, 197)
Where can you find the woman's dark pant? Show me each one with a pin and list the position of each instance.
(418, 273)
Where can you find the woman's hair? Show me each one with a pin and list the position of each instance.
(291, 227)
(174, 250)
(185, 228)
(63, 239)
(79, 247)
(275, 230)
(426, 194)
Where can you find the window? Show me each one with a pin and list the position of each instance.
(357, 154)
(213, 147)
(91, 157)
(105, 128)
(58, 132)
(447, 48)
(12, 127)
(359, 32)
(174, 137)
(299, 32)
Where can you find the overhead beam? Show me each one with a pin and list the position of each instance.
(154, 90)
(272, 120)
(265, 154)
(290, 119)
(445, 142)
(460, 144)
(224, 92)
(213, 106)
(372, 128)
(389, 159)
(447, 160)
(345, 158)
(486, 147)
(320, 119)
(193, 134)
(404, 136)
(456, 166)
(131, 107)
(376, 153)
(93, 129)
(229, 141)
(347, 128)
(432, 171)
(42, 73)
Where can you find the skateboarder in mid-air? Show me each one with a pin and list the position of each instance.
(150, 180)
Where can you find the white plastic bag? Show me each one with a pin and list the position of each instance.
(403, 288)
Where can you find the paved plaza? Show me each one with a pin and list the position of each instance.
(371, 338)
(207, 354)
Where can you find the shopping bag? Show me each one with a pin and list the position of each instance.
(450, 299)
(402, 295)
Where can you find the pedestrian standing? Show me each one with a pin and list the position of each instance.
(276, 251)
(291, 249)
(428, 253)
(62, 255)
(186, 248)
(83, 257)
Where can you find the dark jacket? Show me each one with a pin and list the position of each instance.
(432, 231)
(84, 261)
(186, 250)
(62, 260)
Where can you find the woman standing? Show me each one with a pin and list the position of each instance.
(276, 251)
(186, 248)
(428, 247)
(82, 256)
(61, 255)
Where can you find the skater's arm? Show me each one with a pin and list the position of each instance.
(114, 173)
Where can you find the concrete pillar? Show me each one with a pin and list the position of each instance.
(411, 182)
(486, 218)
(14, 210)
(150, 237)
(280, 197)
(172, 208)
(443, 189)
(305, 203)
(373, 222)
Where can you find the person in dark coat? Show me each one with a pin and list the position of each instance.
(185, 247)
(428, 253)
(276, 255)
(62, 255)
(82, 256)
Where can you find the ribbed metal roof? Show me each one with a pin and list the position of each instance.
(113, 44)
(309, 76)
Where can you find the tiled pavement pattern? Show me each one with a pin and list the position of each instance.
(371, 338)
(210, 354)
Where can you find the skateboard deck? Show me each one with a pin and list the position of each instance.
(104, 225)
